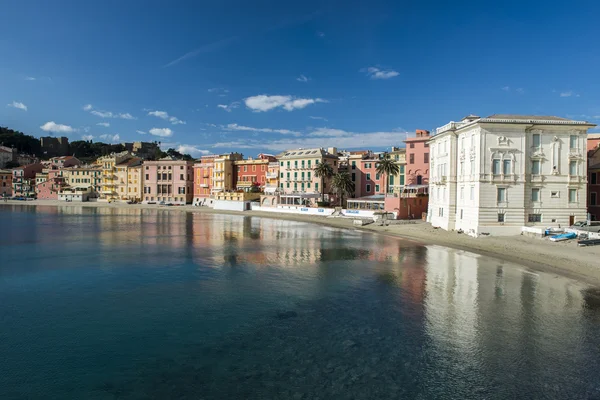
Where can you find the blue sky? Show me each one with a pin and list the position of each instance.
(263, 76)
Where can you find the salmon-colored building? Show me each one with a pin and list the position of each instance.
(5, 183)
(417, 158)
(169, 180)
(203, 172)
(49, 183)
(253, 171)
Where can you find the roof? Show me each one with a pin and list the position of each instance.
(527, 117)
(303, 153)
(131, 162)
(374, 197)
(593, 136)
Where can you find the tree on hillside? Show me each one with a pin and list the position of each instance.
(343, 185)
(387, 167)
(20, 141)
(323, 170)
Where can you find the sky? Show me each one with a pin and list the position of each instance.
(258, 76)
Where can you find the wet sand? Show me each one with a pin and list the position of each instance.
(561, 258)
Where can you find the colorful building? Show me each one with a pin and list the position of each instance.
(203, 172)
(224, 176)
(23, 180)
(110, 180)
(417, 158)
(86, 176)
(49, 182)
(272, 178)
(6, 183)
(129, 182)
(253, 171)
(398, 181)
(169, 180)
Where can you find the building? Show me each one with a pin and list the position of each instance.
(26, 159)
(78, 194)
(354, 159)
(84, 176)
(110, 179)
(224, 176)
(235, 201)
(49, 182)
(593, 141)
(298, 184)
(129, 182)
(23, 180)
(6, 183)
(203, 172)
(272, 178)
(253, 172)
(7, 155)
(143, 150)
(54, 147)
(500, 173)
(417, 158)
(65, 161)
(593, 203)
(169, 180)
(397, 182)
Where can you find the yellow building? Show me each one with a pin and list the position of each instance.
(397, 181)
(129, 179)
(223, 172)
(84, 176)
(272, 176)
(110, 180)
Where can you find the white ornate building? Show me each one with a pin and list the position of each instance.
(500, 173)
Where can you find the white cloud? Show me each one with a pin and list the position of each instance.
(506, 88)
(376, 73)
(29, 78)
(569, 93)
(106, 114)
(56, 128)
(87, 137)
(192, 150)
(141, 132)
(319, 118)
(520, 90)
(229, 107)
(236, 127)
(217, 90)
(87, 107)
(162, 132)
(18, 105)
(320, 34)
(111, 138)
(105, 124)
(265, 103)
(302, 78)
(165, 115)
(86, 129)
(323, 137)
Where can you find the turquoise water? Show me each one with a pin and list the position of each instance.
(149, 304)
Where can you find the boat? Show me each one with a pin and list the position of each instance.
(563, 236)
(589, 242)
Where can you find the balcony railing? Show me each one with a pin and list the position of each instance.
(272, 175)
(203, 185)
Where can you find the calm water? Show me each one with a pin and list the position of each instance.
(146, 304)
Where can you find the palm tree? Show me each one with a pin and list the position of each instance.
(323, 170)
(387, 167)
(343, 184)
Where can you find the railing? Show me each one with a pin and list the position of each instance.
(204, 185)
(272, 175)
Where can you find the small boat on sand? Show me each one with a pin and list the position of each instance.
(563, 236)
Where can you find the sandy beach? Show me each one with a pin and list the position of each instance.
(562, 258)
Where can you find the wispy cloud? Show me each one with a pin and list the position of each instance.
(517, 90)
(18, 105)
(87, 107)
(164, 115)
(321, 34)
(236, 127)
(52, 126)
(162, 132)
(263, 102)
(520, 90)
(111, 138)
(319, 118)
(87, 137)
(229, 107)
(105, 124)
(569, 93)
(141, 132)
(207, 48)
(106, 114)
(29, 78)
(377, 73)
(506, 88)
(218, 90)
(192, 150)
(302, 78)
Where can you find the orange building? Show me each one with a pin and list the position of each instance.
(203, 172)
(417, 158)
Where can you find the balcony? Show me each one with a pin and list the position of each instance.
(244, 183)
(272, 175)
(537, 178)
(577, 179)
(203, 185)
(219, 179)
(575, 154)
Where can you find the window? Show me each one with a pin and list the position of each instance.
(302, 163)
(377, 176)
(308, 185)
(181, 176)
(376, 188)
(461, 214)
(535, 194)
(472, 194)
(254, 168)
(594, 178)
(316, 186)
(441, 212)
(368, 177)
(391, 180)
(288, 185)
(281, 164)
(309, 178)
(472, 167)
(411, 159)
(472, 140)
(316, 162)
(572, 168)
(288, 164)
(462, 168)
(412, 145)
(500, 217)
(506, 167)
(309, 163)
(462, 192)
(496, 167)
(572, 195)
(535, 218)
(426, 158)
(536, 140)
(368, 188)
(281, 174)
(593, 199)
(535, 167)
(501, 195)
(353, 164)
(573, 142)
(296, 164)
(353, 176)
(555, 195)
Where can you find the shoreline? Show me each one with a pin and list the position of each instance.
(558, 258)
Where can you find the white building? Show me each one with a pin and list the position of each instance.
(500, 173)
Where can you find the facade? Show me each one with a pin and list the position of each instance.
(65, 161)
(253, 172)
(7, 154)
(49, 182)
(77, 194)
(87, 176)
(224, 175)
(169, 180)
(593, 204)
(23, 180)
(272, 178)
(54, 147)
(129, 182)
(500, 173)
(354, 169)
(110, 179)
(417, 158)
(298, 184)
(6, 183)
(203, 172)
(397, 182)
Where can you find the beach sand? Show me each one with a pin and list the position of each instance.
(559, 258)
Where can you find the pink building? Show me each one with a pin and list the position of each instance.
(593, 189)
(168, 180)
(417, 158)
(371, 182)
(48, 189)
(5, 183)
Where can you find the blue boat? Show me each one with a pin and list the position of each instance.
(563, 236)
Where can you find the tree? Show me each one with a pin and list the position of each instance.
(323, 170)
(343, 185)
(387, 167)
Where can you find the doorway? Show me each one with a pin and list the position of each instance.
(571, 220)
